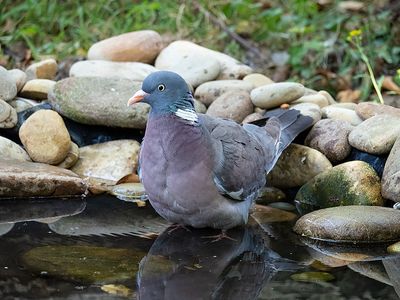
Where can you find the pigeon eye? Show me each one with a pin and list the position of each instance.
(161, 87)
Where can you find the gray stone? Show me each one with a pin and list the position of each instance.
(199, 107)
(275, 94)
(231, 105)
(8, 115)
(350, 183)
(8, 86)
(309, 109)
(99, 101)
(297, 165)
(140, 46)
(340, 113)
(230, 67)
(21, 104)
(391, 174)
(12, 151)
(269, 194)
(19, 78)
(102, 68)
(196, 67)
(376, 135)
(209, 91)
(351, 224)
(330, 137)
(328, 96)
(252, 117)
(28, 179)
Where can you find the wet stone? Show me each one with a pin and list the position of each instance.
(102, 68)
(209, 91)
(330, 137)
(351, 183)
(351, 224)
(137, 46)
(99, 101)
(28, 179)
(269, 194)
(231, 105)
(296, 166)
(376, 135)
(391, 174)
(275, 94)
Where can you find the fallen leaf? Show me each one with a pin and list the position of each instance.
(390, 85)
(349, 96)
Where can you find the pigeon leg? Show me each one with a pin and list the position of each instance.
(218, 237)
(176, 226)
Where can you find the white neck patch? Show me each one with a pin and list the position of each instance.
(187, 114)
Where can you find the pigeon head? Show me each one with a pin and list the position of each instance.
(166, 92)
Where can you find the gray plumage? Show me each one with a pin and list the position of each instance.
(203, 171)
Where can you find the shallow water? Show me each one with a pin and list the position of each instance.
(104, 248)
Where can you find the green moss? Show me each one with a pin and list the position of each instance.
(84, 264)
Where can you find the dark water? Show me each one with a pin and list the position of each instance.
(104, 248)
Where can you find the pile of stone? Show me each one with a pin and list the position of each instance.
(350, 156)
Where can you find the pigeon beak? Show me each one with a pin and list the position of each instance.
(137, 97)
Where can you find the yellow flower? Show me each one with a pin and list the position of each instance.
(355, 32)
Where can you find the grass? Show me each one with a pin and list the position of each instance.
(313, 35)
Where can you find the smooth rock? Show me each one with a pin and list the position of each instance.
(296, 166)
(5, 228)
(209, 91)
(28, 179)
(140, 46)
(8, 86)
(109, 161)
(318, 99)
(99, 101)
(270, 194)
(199, 107)
(350, 183)
(391, 174)
(21, 104)
(37, 89)
(309, 109)
(394, 248)
(257, 79)
(45, 69)
(8, 115)
(367, 110)
(340, 113)
(102, 68)
(377, 162)
(19, 78)
(71, 158)
(353, 223)
(234, 105)
(12, 151)
(230, 67)
(266, 214)
(328, 96)
(195, 67)
(275, 94)
(312, 277)
(283, 206)
(330, 137)
(45, 137)
(347, 105)
(376, 135)
(252, 117)
(371, 269)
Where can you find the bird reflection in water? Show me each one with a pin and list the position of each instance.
(183, 265)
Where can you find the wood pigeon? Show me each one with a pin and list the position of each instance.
(203, 171)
